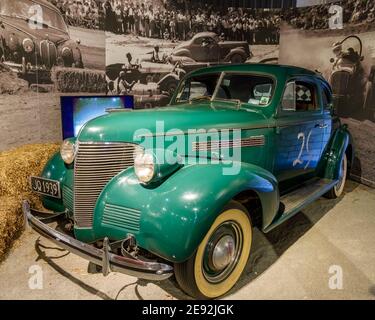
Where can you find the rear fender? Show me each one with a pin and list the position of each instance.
(330, 165)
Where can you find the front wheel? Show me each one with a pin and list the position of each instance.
(220, 258)
(338, 189)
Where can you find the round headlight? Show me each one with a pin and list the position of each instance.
(28, 45)
(144, 167)
(67, 53)
(67, 151)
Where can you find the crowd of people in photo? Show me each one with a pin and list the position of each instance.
(82, 13)
(173, 23)
(317, 17)
(162, 19)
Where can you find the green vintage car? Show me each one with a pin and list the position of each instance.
(178, 190)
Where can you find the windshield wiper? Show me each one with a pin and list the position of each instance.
(45, 25)
(236, 101)
(199, 98)
(17, 16)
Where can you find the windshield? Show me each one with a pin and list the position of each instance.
(30, 11)
(251, 89)
(200, 87)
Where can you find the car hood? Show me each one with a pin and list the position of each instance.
(22, 27)
(128, 126)
(183, 45)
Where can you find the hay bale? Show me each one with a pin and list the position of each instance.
(79, 80)
(11, 218)
(11, 221)
(16, 166)
(10, 83)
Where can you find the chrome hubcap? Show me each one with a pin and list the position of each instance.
(223, 252)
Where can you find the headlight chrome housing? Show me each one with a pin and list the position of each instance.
(144, 166)
(68, 151)
(28, 45)
(67, 53)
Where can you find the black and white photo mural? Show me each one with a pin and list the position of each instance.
(47, 48)
(151, 45)
(337, 39)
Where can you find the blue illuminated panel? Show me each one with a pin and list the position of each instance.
(76, 111)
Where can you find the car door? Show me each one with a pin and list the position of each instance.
(302, 131)
(204, 49)
(212, 50)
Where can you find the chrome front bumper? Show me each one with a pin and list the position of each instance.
(102, 257)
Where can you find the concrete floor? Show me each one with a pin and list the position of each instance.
(291, 262)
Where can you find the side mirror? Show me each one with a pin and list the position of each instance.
(332, 60)
(332, 108)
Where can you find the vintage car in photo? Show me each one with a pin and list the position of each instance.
(131, 212)
(352, 79)
(34, 38)
(148, 80)
(208, 47)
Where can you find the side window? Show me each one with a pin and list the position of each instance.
(204, 41)
(198, 41)
(299, 96)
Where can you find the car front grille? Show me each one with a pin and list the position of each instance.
(48, 53)
(68, 198)
(95, 164)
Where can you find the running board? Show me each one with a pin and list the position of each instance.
(293, 202)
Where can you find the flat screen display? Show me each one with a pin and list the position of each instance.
(77, 110)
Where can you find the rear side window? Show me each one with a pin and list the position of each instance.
(300, 96)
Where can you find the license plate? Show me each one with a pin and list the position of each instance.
(46, 187)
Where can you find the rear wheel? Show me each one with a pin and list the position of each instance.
(338, 189)
(220, 258)
(237, 58)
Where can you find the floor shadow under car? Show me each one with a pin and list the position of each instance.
(266, 249)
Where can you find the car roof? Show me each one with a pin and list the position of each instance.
(46, 4)
(272, 69)
(205, 34)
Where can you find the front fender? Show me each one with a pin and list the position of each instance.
(56, 169)
(175, 216)
(182, 53)
(169, 76)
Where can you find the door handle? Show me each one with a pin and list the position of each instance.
(321, 126)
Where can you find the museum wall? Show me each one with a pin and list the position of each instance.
(30, 103)
(338, 40)
(114, 36)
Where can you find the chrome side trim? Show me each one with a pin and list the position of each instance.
(253, 141)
